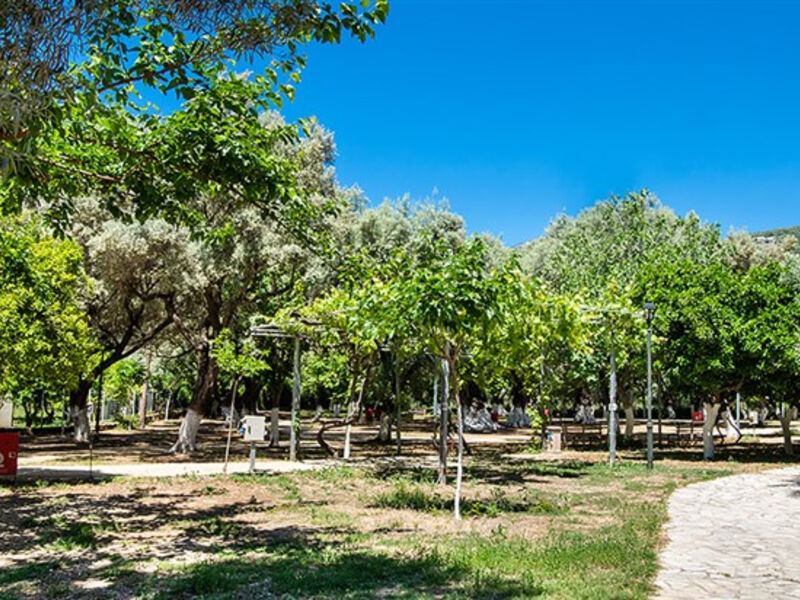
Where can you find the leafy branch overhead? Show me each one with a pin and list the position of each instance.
(90, 132)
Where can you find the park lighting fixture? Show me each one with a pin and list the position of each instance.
(649, 313)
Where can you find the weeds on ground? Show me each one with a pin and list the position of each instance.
(425, 499)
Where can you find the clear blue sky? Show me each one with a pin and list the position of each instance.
(516, 111)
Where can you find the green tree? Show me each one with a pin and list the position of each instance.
(141, 271)
(237, 358)
(536, 345)
(165, 46)
(601, 255)
(449, 299)
(46, 344)
(244, 262)
(722, 330)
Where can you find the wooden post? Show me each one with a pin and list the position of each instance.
(230, 426)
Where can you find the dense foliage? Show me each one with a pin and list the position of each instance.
(128, 233)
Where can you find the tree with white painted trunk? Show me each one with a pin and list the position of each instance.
(450, 298)
(46, 342)
(789, 415)
(344, 320)
(249, 255)
(140, 271)
(723, 330)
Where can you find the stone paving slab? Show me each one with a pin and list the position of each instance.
(734, 537)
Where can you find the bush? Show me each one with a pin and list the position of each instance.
(128, 422)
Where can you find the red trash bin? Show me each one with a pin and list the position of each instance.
(9, 448)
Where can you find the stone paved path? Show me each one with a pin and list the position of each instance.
(735, 537)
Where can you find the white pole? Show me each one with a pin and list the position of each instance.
(295, 427)
(649, 398)
(612, 407)
(443, 421)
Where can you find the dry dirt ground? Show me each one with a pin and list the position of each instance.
(550, 525)
(151, 445)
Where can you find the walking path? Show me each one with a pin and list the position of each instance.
(60, 472)
(735, 537)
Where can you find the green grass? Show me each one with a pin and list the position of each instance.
(426, 499)
(26, 572)
(216, 527)
(616, 561)
(63, 534)
(592, 533)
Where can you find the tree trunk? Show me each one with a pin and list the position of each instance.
(444, 416)
(250, 396)
(274, 418)
(712, 410)
(786, 425)
(542, 409)
(30, 414)
(630, 417)
(202, 397)
(398, 408)
(354, 410)
(385, 431)
(460, 460)
(48, 408)
(99, 408)
(78, 398)
(143, 398)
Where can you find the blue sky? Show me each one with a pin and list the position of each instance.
(516, 111)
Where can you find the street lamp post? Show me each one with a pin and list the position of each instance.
(612, 407)
(649, 312)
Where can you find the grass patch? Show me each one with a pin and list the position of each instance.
(340, 572)
(287, 483)
(27, 572)
(65, 534)
(424, 499)
(308, 535)
(215, 527)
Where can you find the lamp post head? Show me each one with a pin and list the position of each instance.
(649, 311)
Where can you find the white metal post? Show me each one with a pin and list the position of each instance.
(612, 407)
(294, 433)
(649, 397)
(252, 457)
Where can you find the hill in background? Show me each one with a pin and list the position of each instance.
(779, 233)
